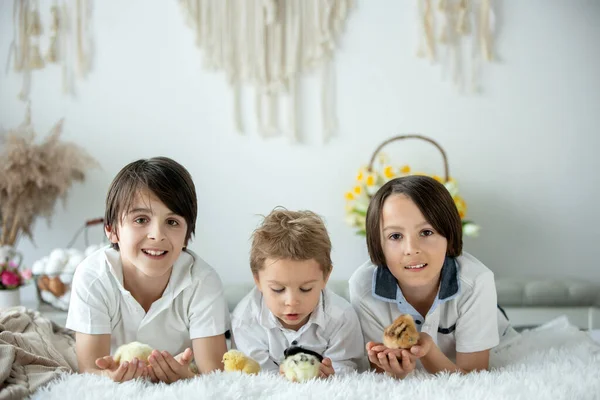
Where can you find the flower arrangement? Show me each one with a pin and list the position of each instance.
(11, 277)
(33, 176)
(370, 179)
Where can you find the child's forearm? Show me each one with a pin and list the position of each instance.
(436, 361)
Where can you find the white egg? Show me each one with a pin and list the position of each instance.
(66, 278)
(54, 267)
(73, 262)
(47, 296)
(59, 256)
(39, 266)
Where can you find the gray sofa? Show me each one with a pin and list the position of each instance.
(527, 302)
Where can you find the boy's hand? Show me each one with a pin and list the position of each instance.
(165, 368)
(126, 371)
(395, 362)
(422, 348)
(326, 368)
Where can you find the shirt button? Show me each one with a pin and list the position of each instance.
(295, 342)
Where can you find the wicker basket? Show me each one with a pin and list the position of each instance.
(54, 289)
(369, 181)
(412, 136)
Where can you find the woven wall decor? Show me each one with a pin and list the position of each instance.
(459, 35)
(70, 40)
(269, 44)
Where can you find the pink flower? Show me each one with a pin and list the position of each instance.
(9, 278)
(26, 274)
(12, 264)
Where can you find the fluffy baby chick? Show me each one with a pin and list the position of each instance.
(235, 360)
(301, 364)
(401, 334)
(128, 351)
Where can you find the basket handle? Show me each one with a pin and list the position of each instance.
(412, 136)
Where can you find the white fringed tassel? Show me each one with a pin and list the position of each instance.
(268, 44)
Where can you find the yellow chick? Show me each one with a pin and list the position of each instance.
(235, 360)
(301, 364)
(402, 333)
(128, 351)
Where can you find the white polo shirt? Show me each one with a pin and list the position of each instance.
(463, 318)
(332, 330)
(192, 305)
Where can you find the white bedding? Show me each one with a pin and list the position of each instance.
(555, 361)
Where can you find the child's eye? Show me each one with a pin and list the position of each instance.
(140, 220)
(173, 222)
(395, 236)
(305, 290)
(427, 232)
(278, 290)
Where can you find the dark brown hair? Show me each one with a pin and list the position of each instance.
(293, 235)
(165, 178)
(433, 200)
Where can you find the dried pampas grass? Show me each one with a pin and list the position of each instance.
(34, 176)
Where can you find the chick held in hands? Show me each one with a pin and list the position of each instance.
(401, 334)
(301, 364)
(129, 351)
(235, 360)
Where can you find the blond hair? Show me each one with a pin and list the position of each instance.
(294, 235)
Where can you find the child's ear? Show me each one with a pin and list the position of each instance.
(326, 278)
(111, 234)
(256, 281)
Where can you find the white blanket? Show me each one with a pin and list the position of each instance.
(556, 361)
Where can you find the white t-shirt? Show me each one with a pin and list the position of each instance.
(332, 330)
(192, 305)
(463, 318)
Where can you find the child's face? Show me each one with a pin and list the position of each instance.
(414, 251)
(291, 289)
(150, 236)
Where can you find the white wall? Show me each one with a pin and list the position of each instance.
(524, 152)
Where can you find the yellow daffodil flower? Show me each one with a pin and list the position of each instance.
(368, 182)
(389, 172)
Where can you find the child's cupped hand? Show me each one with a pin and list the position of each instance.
(166, 368)
(395, 362)
(399, 362)
(123, 372)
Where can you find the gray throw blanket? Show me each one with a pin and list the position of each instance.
(33, 351)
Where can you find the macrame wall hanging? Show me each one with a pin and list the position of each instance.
(69, 40)
(269, 44)
(459, 35)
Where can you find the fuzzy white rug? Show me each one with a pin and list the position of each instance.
(556, 361)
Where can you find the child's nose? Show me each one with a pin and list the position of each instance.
(411, 246)
(291, 299)
(156, 232)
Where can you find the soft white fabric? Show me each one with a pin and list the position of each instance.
(192, 305)
(332, 330)
(473, 310)
(555, 362)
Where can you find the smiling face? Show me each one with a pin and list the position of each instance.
(291, 289)
(414, 252)
(150, 236)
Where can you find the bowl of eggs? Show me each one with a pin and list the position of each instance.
(53, 275)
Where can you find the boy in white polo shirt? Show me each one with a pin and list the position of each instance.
(146, 286)
(417, 267)
(290, 305)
